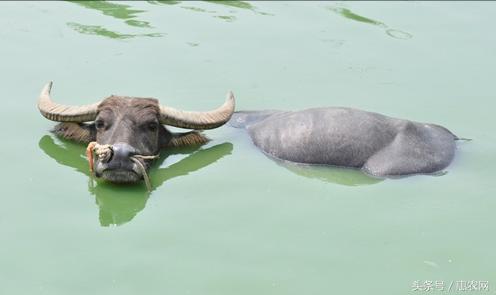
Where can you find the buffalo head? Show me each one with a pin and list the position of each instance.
(133, 128)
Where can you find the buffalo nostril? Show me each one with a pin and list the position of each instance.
(122, 151)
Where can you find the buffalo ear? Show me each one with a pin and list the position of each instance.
(79, 132)
(191, 138)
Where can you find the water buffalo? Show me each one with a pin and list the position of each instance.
(131, 128)
(379, 145)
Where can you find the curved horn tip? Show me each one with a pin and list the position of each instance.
(64, 113)
(230, 95)
(48, 87)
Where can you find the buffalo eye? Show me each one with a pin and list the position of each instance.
(152, 126)
(99, 124)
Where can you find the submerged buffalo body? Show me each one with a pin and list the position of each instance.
(132, 132)
(377, 144)
(131, 129)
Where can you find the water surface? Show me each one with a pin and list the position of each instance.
(224, 218)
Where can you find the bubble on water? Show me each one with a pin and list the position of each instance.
(398, 34)
(431, 263)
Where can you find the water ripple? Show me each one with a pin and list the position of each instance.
(101, 31)
(397, 34)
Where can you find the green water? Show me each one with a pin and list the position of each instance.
(224, 218)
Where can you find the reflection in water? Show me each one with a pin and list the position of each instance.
(236, 4)
(227, 18)
(119, 11)
(130, 16)
(119, 204)
(196, 9)
(338, 175)
(350, 15)
(353, 16)
(164, 2)
(115, 10)
(100, 31)
(230, 4)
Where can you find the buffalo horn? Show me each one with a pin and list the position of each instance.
(198, 120)
(62, 113)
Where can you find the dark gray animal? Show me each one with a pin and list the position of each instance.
(130, 127)
(377, 144)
